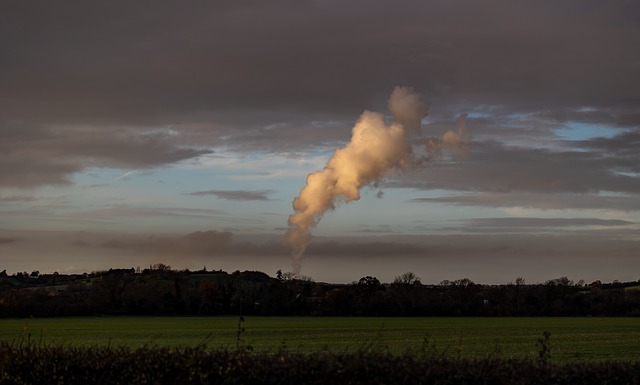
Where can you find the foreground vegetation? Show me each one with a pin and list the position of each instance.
(571, 339)
(57, 365)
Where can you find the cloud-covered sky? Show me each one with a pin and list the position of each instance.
(142, 132)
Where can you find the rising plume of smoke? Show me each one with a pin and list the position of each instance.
(376, 147)
(454, 141)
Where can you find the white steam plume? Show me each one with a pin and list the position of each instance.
(454, 141)
(375, 148)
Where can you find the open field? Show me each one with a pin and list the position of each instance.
(571, 338)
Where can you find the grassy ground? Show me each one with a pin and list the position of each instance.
(571, 338)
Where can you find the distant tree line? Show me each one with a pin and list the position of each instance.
(159, 290)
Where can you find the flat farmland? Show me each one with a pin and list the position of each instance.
(571, 339)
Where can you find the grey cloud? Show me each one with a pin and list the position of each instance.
(131, 151)
(50, 155)
(623, 117)
(22, 170)
(494, 258)
(90, 61)
(541, 128)
(5, 240)
(493, 167)
(36, 212)
(375, 229)
(127, 211)
(236, 195)
(234, 74)
(545, 222)
(328, 247)
(597, 173)
(209, 242)
(625, 147)
(216, 243)
(381, 248)
(539, 201)
(290, 138)
(17, 198)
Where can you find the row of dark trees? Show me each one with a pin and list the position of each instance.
(162, 291)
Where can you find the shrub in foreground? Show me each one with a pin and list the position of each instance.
(70, 365)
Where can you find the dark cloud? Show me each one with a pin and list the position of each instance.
(545, 222)
(494, 167)
(17, 198)
(89, 83)
(158, 62)
(215, 243)
(236, 195)
(17, 171)
(37, 156)
(36, 212)
(138, 212)
(491, 258)
(539, 201)
(5, 240)
(624, 147)
(622, 116)
(199, 244)
(596, 173)
(209, 242)
(364, 247)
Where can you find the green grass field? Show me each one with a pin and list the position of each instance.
(571, 338)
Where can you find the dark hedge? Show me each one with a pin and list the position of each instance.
(69, 365)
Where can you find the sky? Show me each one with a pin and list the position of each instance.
(135, 133)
